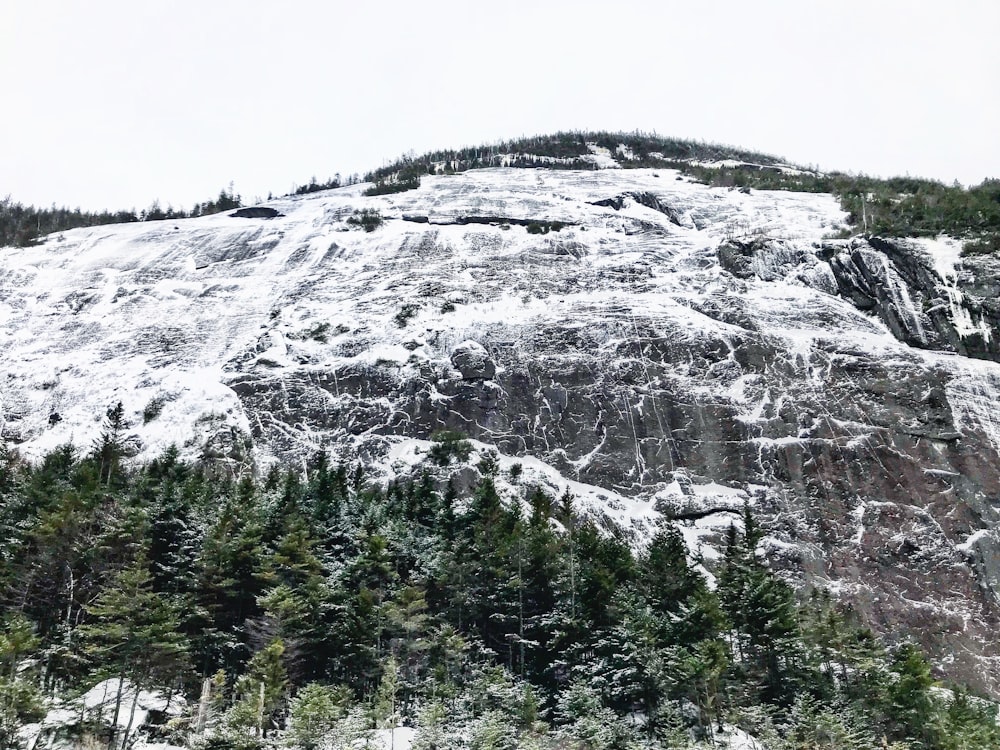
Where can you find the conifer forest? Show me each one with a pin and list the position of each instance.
(317, 608)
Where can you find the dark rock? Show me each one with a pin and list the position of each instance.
(488, 220)
(473, 361)
(256, 212)
(735, 257)
(764, 258)
(643, 199)
(895, 280)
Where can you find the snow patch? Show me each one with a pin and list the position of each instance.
(601, 157)
(973, 539)
(397, 738)
(734, 738)
(98, 704)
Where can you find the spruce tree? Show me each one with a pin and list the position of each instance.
(229, 584)
(109, 449)
(132, 634)
(762, 610)
(20, 700)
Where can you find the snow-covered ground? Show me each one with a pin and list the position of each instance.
(164, 312)
(165, 316)
(96, 707)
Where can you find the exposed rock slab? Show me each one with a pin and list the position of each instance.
(687, 360)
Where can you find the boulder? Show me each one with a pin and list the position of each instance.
(256, 212)
(472, 360)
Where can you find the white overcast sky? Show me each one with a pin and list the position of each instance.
(114, 103)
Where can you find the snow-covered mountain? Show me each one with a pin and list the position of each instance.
(653, 344)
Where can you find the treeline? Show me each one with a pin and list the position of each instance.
(898, 206)
(894, 207)
(314, 186)
(308, 609)
(227, 200)
(403, 179)
(564, 150)
(22, 225)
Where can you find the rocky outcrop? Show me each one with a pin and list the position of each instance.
(256, 212)
(840, 386)
(922, 303)
(975, 296)
(649, 200)
(765, 258)
(473, 361)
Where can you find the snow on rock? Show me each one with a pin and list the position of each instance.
(518, 476)
(101, 699)
(472, 360)
(734, 738)
(654, 345)
(601, 157)
(946, 257)
(136, 710)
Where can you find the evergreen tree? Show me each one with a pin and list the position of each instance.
(174, 539)
(20, 700)
(229, 584)
(588, 724)
(695, 672)
(665, 577)
(409, 642)
(762, 610)
(132, 633)
(458, 613)
(906, 702)
(540, 555)
(261, 692)
(385, 705)
(110, 447)
(314, 714)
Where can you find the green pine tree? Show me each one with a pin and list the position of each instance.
(132, 633)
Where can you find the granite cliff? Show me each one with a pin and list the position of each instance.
(656, 345)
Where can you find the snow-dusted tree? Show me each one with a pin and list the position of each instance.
(494, 730)
(432, 729)
(262, 691)
(133, 634)
(409, 644)
(353, 732)
(811, 724)
(762, 610)
(20, 701)
(385, 706)
(110, 446)
(314, 714)
(587, 724)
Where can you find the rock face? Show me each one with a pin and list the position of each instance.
(670, 347)
(473, 361)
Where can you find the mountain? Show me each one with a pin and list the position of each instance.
(655, 344)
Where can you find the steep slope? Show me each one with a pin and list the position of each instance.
(659, 344)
